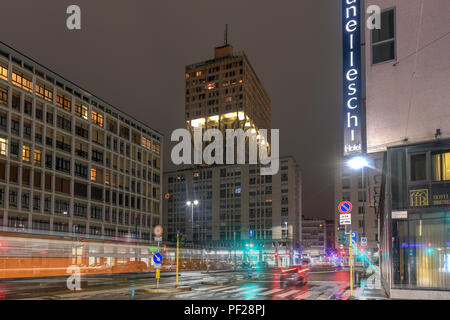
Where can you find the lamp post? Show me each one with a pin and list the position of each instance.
(192, 204)
(356, 163)
(287, 238)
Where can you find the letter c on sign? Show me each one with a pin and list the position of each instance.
(349, 103)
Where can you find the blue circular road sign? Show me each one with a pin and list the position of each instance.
(157, 258)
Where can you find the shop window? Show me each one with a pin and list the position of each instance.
(441, 166)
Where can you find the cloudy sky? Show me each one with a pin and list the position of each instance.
(132, 53)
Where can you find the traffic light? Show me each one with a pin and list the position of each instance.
(183, 237)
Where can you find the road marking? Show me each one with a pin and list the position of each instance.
(283, 295)
(269, 292)
(253, 290)
(222, 289)
(302, 296)
(237, 290)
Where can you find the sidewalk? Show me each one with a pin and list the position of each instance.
(364, 292)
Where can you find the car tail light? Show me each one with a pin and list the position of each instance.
(304, 270)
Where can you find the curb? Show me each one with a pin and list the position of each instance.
(168, 290)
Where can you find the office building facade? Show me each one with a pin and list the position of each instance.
(69, 161)
(225, 93)
(314, 239)
(232, 200)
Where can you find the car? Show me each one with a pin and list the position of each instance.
(297, 275)
(306, 262)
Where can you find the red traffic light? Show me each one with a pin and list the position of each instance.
(251, 245)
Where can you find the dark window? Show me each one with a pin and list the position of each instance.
(418, 167)
(80, 189)
(383, 40)
(96, 193)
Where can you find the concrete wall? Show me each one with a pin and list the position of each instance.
(410, 97)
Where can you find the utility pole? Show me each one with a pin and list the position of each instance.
(351, 262)
(178, 246)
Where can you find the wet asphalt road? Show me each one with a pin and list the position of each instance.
(322, 284)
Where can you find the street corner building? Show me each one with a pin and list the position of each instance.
(71, 165)
(401, 198)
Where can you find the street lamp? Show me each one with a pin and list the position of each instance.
(192, 204)
(356, 163)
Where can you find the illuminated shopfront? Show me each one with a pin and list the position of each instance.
(418, 220)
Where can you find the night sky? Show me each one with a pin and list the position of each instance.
(132, 53)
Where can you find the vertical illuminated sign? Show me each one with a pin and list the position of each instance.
(353, 116)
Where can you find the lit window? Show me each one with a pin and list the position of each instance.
(441, 166)
(188, 75)
(146, 143)
(81, 111)
(44, 93)
(3, 73)
(63, 102)
(37, 156)
(26, 153)
(210, 86)
(94, 174)
(107, 178)
(156, 148)
(97, 118)
(198, 73)
(20, 81)
(3, 147)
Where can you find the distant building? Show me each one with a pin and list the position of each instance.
(233, 199)
(314, 239)
(225, 93)
(330, 235)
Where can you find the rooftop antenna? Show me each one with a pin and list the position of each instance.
(226, 34)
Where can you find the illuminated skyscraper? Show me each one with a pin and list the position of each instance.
(225, 93)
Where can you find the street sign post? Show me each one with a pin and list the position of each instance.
(363, 242)
(249, 272)
(157, 231)
(345, 207)
(354, 237)
(157, 258)
(345, 219)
